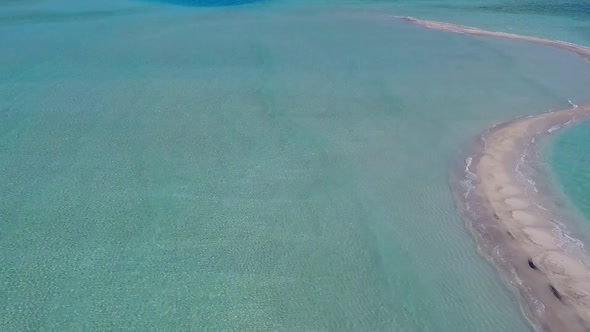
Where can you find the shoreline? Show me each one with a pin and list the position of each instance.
(512, 228)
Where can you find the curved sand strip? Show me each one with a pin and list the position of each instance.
(578, 49)
(501, 201)
(554, 284)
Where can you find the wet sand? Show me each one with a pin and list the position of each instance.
(504, 214)
(555, 283)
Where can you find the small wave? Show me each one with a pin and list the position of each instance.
(569, 244)
(515, 277)
(538, 305)
(499, 255)
(485, 142)
(572, 104)
(468, 163)
(467, 183)
(552, 129)
(518, 170)
(533, 184)
(468, 186)
(469, 174)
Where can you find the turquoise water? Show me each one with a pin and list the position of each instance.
(273, 166)
(210, 3)
(567, 20)
(570, 161)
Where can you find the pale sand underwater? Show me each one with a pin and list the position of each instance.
(252, 169)
(518, 233)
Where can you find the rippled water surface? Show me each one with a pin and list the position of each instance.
(570, 158)
(209, 3)
(279, 166)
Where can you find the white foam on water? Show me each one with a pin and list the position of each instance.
(485, 143)
(515, 277)
(533, 184)
(467, 183)
(469, 174)
(572, 104)
(569, 244)
(538, 305)
(498, 255)
(561, 235)
(518, 170)
(481, 228)
(468, 163)
(552, 129)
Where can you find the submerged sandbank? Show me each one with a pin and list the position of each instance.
(513, 229)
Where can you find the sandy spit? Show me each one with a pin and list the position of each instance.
(553, 284)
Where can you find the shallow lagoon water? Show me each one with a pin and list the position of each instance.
(569, 159)
(209, 3)
(263, 167)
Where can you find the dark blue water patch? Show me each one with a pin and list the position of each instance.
(209, 3)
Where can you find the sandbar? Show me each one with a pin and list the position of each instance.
(553, 283)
